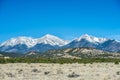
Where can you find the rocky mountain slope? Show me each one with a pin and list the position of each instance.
(74, 53)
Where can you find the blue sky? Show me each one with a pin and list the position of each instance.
(64, 18)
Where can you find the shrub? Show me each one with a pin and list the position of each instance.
(34, 70)
(73, 75)
(118, 73)
(116, 62)
(46, 73)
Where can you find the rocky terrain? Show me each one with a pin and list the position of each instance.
(75, 53)
(39, 71)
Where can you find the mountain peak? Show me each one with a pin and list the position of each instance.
(52, 40)
(49, 36)
(86, 36)
(20, 40)
(92, 39)
(30, 42)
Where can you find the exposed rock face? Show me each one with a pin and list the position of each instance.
(80, 53)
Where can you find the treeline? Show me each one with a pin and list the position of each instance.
(11, 54)
(58, 60)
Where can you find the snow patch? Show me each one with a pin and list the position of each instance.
(92, 39)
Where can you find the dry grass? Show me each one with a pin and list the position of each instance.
(38, 71)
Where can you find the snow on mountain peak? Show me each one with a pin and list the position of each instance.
(30, 42)
(48, 39)
(92, 39)
(49, 35)
(52, 40)
(20, 40)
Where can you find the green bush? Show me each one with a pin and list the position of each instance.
(116, 62)
(58, 60)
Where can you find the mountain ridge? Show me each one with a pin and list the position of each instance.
(48, 42)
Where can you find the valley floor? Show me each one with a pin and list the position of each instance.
(39, 71)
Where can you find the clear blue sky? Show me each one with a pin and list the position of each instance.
(63, 18)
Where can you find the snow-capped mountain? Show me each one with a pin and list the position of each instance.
(26, 44)
(94, 42)
(28, 41)
(52, 40)
(48, 42)
(86, 41)
(92, 39)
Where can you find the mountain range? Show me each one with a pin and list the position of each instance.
(50, 42)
